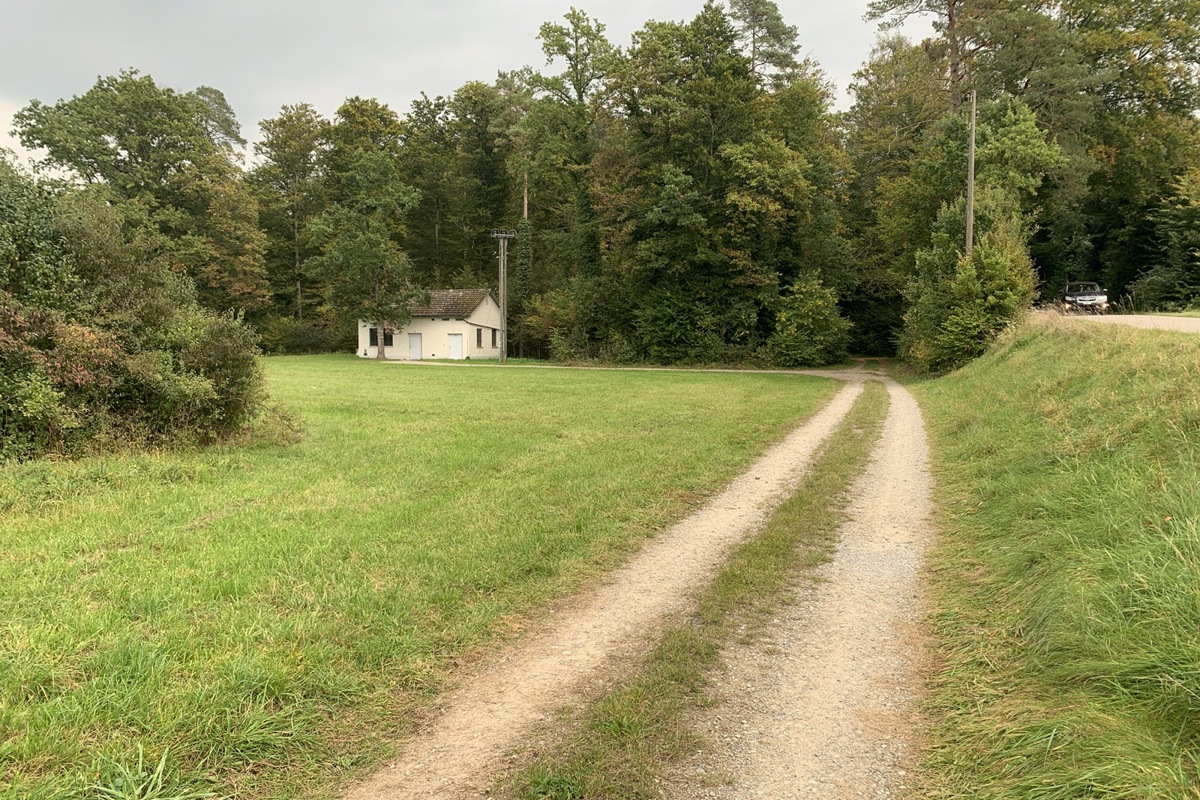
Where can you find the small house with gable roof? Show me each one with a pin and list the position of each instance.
(457, 324)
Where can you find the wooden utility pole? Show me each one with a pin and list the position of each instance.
(971, 182)
(524, 255)
(503, 236)
(503, 300)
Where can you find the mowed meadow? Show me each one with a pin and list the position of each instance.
(267, 617)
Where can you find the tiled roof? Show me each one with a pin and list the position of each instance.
(457, 303)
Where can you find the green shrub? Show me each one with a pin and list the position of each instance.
(35, 268)
(958, 304)
(809, 329)
(293, 337)
(100, 342)
(53, 375)
(617, 349)
(676, 328)
(225, 354)
(1173, 284)
(553, 321)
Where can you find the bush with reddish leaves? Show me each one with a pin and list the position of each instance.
(100, 343)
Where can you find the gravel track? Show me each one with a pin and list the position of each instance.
(1147, 321)
(823, 705)
(499, 702)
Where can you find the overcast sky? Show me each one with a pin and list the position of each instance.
(266, 53)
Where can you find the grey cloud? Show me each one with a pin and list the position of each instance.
(265, 53)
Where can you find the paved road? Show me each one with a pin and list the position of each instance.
(1184, 324)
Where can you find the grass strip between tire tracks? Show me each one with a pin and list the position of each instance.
(619, 746)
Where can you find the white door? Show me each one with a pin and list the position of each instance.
(456, 351)
(414, 346)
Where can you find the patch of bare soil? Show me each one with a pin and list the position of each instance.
(501, 701)
(824, 703)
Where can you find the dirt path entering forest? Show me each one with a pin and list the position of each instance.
(499, 702)
(824, 703)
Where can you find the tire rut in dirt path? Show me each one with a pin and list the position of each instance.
(824, 703)
(500, 701)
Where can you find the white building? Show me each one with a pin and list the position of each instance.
(457, 324)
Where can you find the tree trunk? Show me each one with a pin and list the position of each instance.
(958, 68)
(296, 267)
(380, 354)
(437, 242)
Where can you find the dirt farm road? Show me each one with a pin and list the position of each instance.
(825, 705)
(826, 708)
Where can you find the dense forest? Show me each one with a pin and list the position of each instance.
(690, 197)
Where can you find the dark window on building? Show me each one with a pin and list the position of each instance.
(479, 337)
(495, 343)
(373, 334)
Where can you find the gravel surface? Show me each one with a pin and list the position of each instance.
(498, 702)
(1183, 324)
(823, 705)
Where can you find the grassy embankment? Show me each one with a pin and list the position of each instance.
(1068, 574)
(619, 746)
(267, 616)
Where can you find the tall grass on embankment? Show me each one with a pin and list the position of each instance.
(1068, 574)
(264, 617)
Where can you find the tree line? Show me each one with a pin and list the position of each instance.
(691, 197)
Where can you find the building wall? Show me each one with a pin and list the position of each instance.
(487, 315)
(435, 333)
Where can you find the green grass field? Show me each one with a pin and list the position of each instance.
(267, 616)
(1068, 574)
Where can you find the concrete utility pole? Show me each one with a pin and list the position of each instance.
(503, 236)
(971, 183)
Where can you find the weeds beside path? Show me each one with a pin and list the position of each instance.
(1068, 470)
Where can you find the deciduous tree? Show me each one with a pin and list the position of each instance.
(368, 276)
(173, 155)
